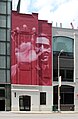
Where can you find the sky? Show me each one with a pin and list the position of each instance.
(55, 11)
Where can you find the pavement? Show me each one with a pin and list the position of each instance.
(38, 115)
(44, 112)
(41, 112)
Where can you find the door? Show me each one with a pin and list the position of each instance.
(2, 105)
(25, 103)
(2, 98)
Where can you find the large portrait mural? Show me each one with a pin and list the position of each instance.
(31, 57)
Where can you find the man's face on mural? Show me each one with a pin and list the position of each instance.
(43, 47)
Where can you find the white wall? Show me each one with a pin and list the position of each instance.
(34, 92)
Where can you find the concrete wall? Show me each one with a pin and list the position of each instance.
(76, 69)
(34, 92)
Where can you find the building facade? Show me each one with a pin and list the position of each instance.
(29, 50)
(31, 67)
(63, 39)
(5, 31)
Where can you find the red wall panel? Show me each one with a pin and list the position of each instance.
(31, 54)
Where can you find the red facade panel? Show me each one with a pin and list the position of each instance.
(31, 61)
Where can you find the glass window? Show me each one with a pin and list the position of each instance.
(8, 22)
(69, 74)
(8, 76)
(2, 34)
(42, 98)
(2, 7)
(2, 62)
(8, 34)
(68, 98)
(61, 42)
(8, 62)
(8, 48)
(62, 73)
(2, 93)
(2, 21)
(8, 7)
(8, 97)
(2, 48)
(55, 73)
(6, 0)
(2, 76)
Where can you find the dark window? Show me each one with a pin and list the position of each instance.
(62, 73)
(42, 98)
(69, 74)
(66, 75)
(2, 93)
(55, 73)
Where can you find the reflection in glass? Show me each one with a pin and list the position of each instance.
(2, 48)
(2, 62)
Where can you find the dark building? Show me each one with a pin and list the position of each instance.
(5, 29)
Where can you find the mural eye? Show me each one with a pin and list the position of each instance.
(38, 45)
(46, 46)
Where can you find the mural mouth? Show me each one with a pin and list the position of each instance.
(44, 58)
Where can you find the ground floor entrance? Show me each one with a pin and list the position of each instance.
(2, 105)
(5, 97)
(2, 99)
(66, 98)
(25, 103)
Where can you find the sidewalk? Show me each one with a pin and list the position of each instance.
(44, 112)
(33, 112)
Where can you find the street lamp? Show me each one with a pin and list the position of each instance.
(59, 80)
